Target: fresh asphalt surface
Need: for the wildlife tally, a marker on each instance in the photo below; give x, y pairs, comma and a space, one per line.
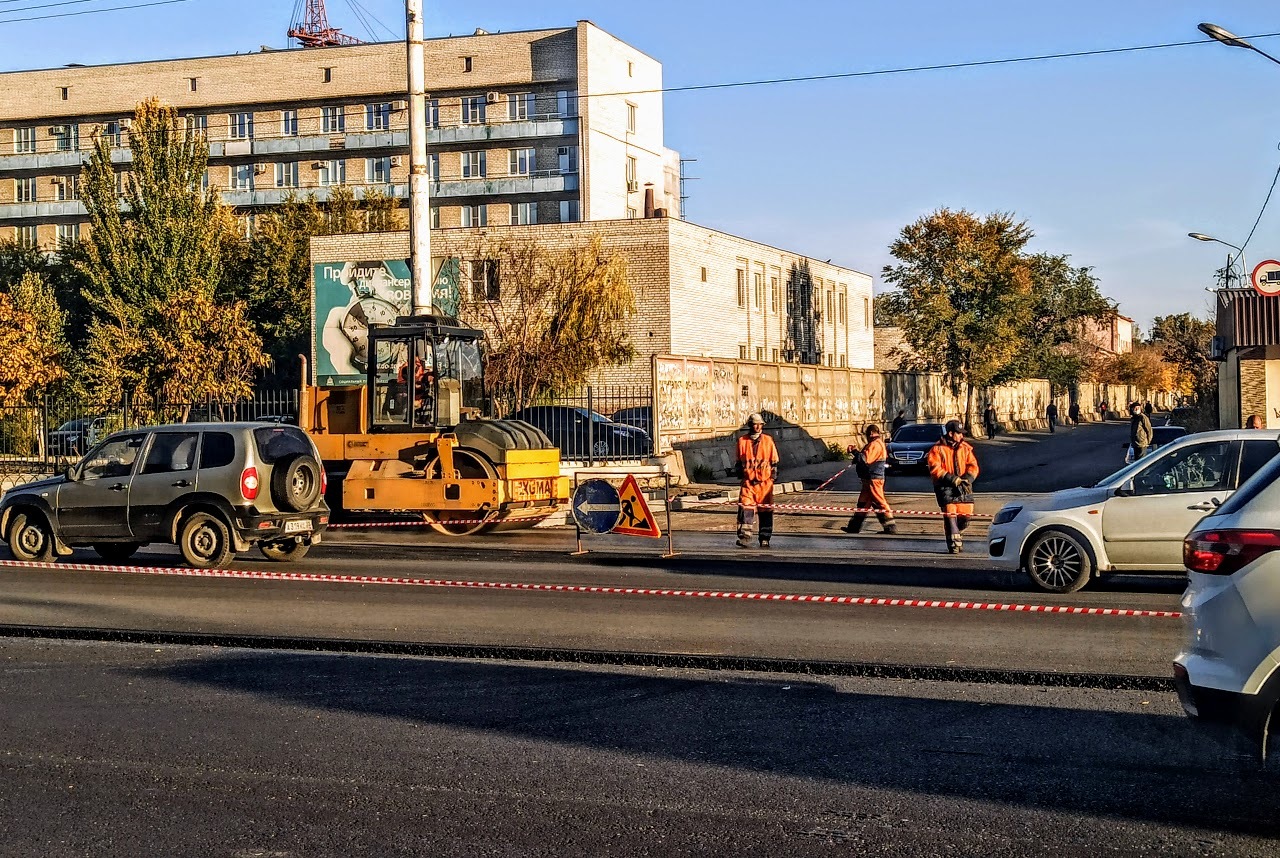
163, 749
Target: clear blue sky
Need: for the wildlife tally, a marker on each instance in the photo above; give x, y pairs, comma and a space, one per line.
1111, 159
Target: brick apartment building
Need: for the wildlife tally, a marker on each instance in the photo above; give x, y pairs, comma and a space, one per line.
699, 292
545, 126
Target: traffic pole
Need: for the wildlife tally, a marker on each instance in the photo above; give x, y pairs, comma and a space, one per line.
419, 189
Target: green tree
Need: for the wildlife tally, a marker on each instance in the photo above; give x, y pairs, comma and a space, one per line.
1185, 341
552, 316
963, 292
154, 259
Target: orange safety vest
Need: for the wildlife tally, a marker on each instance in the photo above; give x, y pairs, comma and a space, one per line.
959, 460
757, 458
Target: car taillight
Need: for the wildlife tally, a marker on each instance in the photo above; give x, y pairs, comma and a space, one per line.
1224, 552
324, 482
249, 483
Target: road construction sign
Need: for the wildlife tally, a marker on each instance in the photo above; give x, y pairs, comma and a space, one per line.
636, 519
596, 507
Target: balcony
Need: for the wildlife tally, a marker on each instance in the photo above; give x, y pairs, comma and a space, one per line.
541, 126
276, 196
59, 161
309, 144
543, 182
43, 210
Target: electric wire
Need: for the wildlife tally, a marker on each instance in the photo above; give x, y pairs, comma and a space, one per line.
86, 11
1261, 211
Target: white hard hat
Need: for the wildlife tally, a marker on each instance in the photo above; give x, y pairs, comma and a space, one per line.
756, 418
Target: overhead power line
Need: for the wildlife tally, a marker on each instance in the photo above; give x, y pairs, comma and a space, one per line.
82, 11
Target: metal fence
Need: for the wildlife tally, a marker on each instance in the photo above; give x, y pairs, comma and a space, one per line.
597, 424
38, 436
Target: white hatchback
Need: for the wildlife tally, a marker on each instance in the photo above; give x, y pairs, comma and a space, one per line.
1135, 519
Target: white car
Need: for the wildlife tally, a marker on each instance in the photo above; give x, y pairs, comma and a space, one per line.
1229, 668
1135, 519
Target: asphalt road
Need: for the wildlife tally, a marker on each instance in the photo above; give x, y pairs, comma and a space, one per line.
192, 751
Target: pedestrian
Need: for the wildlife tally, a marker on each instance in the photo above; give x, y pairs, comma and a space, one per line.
990, 421
1148, 409
899, 421
1051, 415
1254, 422
870, 463
953, 468
757, 468
1073, 412
1102, 411
1139, 431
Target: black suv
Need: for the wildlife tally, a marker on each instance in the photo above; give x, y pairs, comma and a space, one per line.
212, 489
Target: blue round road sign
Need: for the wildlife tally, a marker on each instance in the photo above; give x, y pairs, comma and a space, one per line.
596, 506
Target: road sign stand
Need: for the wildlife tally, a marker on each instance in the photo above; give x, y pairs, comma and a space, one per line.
620, 475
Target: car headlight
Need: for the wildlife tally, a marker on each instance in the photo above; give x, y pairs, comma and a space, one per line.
1006, 515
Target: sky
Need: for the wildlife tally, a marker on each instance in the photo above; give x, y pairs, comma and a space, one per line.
1111, 159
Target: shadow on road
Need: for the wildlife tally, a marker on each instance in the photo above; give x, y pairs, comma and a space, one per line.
1154, 768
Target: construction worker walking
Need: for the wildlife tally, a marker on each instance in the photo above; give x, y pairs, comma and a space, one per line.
870, 463
757, 468
953, 468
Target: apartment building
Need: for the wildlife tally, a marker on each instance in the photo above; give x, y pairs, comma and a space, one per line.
545, 126
699, 293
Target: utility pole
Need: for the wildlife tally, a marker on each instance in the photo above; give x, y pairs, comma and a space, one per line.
419, 189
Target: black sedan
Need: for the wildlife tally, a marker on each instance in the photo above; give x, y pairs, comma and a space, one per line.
581, 434
911, 444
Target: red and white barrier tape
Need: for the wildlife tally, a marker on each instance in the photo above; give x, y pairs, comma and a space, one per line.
801, 598
451, 521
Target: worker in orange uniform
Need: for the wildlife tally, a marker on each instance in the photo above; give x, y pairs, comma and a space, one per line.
954, 468
757, 468
870, 463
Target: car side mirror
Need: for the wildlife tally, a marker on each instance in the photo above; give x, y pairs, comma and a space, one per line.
1126, 489
72, 472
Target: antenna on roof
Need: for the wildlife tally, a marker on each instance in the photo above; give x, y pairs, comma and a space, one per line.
313, 31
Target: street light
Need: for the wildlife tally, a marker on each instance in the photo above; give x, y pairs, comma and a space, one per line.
1213, 31
1200, 236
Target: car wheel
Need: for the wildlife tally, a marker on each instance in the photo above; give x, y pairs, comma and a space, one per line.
30, 539
295, 482
284, 550
1058, 561
117, 552
205, 541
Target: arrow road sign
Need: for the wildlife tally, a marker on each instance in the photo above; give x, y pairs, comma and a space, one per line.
596, 506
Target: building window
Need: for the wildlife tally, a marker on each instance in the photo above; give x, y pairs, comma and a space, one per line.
523, 214
475, 215
474, 165
632, 213
773, 294
332, 173
843, 309
24, 139
68, 233
485, 285
333, 120
67, 138
866, 313
758, 298
242, 177
742, 288
568, 159
521, 162
435, 217
775, 355
466, 64
327, 75
473, 110
204, 181
197, 124
24, 190
704, 274
113, 132
377, 116
433, 167
66, 93
67, 187
377, 171
759, 353
27, 236
567, 103
632, 184
631, 69
287, 175
240, 126
631, 117
844, 361
519, 106
569, 211
289, 123
742, 352
831, 305
191, 83
432, 106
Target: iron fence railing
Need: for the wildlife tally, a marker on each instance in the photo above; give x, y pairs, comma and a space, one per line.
597, 424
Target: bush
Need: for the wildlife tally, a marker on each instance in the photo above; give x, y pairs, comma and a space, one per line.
701, 474
835, 453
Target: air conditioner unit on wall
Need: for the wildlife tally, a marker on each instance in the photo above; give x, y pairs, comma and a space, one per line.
395, 160
125, 124
493, 97
259, 169
317, 165
58, 130
563, 150
399, 105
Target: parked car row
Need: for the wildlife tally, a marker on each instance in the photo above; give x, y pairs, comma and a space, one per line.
581, 434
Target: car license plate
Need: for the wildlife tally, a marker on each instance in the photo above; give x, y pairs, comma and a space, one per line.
298, 526
531, 489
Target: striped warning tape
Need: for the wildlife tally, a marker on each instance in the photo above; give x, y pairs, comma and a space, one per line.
370, 524
799, 598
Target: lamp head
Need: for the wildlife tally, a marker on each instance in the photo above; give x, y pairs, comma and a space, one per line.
1217, 33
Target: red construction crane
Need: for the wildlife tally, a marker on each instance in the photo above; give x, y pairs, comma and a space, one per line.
313, 31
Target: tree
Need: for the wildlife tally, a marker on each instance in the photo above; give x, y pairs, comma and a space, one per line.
31, 339
1185, 341
154, 260
1063, 299
1144, 367
552, 316
963, 290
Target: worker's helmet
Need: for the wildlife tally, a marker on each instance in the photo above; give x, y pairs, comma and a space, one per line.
872, 429
755, 418
954, 426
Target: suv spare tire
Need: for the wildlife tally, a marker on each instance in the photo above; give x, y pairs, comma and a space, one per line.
295, 482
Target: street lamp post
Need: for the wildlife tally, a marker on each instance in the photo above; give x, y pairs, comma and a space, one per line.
1244, 266
1230, 39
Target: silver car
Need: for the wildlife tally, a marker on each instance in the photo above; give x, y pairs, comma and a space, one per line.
1135, 519
1229, 667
